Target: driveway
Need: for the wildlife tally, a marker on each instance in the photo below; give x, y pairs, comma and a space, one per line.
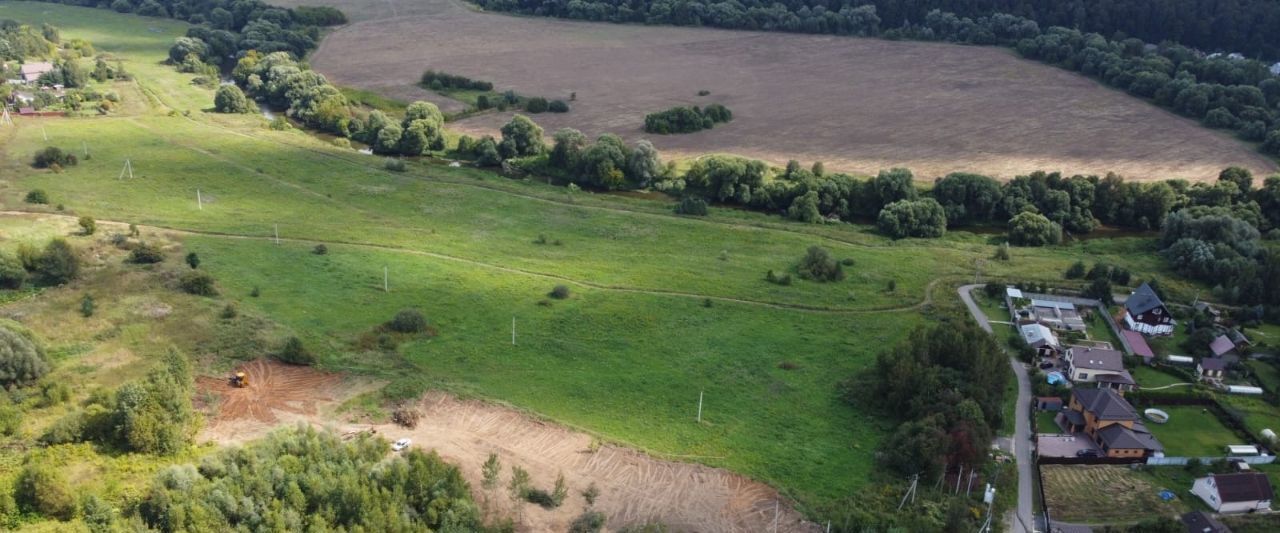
1022, 426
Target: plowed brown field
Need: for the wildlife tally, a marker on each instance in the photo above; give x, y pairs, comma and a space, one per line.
860, 105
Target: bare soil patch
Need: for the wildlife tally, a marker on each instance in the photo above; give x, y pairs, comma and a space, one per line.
860, 105
277, 393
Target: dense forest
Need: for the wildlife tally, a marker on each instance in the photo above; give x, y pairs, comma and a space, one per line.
1244, 26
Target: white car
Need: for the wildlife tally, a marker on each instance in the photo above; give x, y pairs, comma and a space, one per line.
400, 445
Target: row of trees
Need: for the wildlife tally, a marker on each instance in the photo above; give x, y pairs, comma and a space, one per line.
686, 119
437, 81
1223, 91
1244, 26
945, 384
305, 479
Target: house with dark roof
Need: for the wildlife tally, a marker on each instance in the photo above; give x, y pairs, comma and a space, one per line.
1139, 345
1240, 492
1211, 311
1098, 365
1111, 423
1211, 368
1146, 314
1221, 346
1202, 522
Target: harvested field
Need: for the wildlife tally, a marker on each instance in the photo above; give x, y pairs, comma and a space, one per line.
860, 105
277, 393
1102, 494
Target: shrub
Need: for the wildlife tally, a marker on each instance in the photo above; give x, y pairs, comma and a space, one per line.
536, 105
22, 359
1002, 252
197, 283
692, 205
591, 493
87, 306
587, 522
12, 273
559, 292
540, 497
88, 225
408, 321
558, 106
294, 353
58, 263
771, 277
65, 430
43, 489
1075, 271
394, 165
193, 260
703, 92
228, 312
36, 196
1033, 229
913, 218
320, 249
146, 254
52, 155
818, 265
255, 292
230, 99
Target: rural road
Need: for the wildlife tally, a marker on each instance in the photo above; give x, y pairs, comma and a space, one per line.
1022, 427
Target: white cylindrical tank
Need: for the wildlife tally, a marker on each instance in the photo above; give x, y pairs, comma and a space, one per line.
1242, 389
1268, 434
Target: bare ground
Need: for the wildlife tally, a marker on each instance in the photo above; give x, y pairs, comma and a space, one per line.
860, 105
634, 487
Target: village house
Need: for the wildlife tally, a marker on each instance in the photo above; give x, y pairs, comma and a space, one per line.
1146, 314
1098, 365
30, 72
1211, 368
1139, 345
1111, 423
1040, 338
1239, 492
1211, 311
1221, 346
1056, 314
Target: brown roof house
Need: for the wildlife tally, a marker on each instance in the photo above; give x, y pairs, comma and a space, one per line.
1146, 314
1098, 365
1241, 492
1111, 423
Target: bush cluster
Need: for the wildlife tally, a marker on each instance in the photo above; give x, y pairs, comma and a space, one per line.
686, 119
53, 157
437, 81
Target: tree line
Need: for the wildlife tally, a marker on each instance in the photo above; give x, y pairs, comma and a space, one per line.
1222, 91
1245, 26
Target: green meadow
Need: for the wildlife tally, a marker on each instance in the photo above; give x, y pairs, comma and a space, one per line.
662, 307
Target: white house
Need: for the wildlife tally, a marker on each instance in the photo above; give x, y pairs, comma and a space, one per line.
1240, 492
1098, 365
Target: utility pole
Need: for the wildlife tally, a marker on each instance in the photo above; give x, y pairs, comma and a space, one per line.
513, 331
775, 516
128, 169
699, 407
199, 200
386, 274
277, 231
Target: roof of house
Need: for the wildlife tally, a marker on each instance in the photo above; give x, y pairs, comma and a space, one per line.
1221, 345
1097, 358
1118, 436
1142, 300
1137, 343
1213, 363
1053, 304
1243, 487
1074, 417
1123, 378
1237, 337
1038, 335
1048, 400
1202, 522
1204, 306
1013, 292
1105, 404
35, 69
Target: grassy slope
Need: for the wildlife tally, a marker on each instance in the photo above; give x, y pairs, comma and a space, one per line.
624, 364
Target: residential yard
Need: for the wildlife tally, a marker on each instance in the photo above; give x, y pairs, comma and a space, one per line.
1169, 344
992, 307
1104, 494
1100, 331
1045, 423
1192, 431
1258, 414
1148, 377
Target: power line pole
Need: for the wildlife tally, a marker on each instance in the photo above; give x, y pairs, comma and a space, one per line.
128, 169
386, 275
699, 407
199, 200
277, 232
513, 331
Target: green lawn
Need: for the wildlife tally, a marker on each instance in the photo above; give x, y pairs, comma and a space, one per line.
1267, 373
1192, 431
1045, 422
1100, 331
1148, 377
625, 357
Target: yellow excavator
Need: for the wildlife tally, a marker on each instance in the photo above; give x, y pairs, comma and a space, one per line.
239, 380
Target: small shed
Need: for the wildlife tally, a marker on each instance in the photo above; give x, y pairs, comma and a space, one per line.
1048, 403
1139, 345
1181, 359
1013, 292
